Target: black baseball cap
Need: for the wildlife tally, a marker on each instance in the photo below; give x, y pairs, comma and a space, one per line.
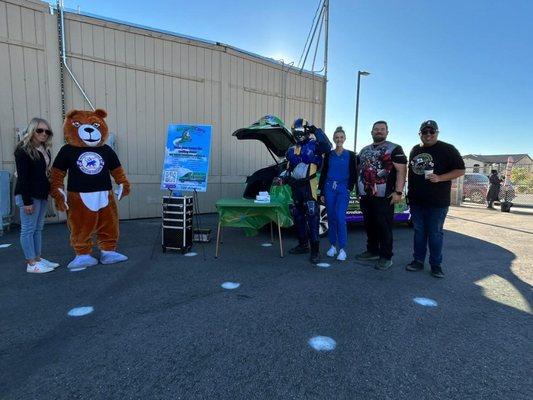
429, 124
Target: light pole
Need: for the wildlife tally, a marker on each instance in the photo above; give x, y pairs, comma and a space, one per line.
359, 73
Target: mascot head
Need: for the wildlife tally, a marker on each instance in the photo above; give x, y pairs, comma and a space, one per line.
85, 128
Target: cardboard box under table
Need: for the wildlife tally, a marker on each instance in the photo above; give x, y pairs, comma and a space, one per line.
245, 213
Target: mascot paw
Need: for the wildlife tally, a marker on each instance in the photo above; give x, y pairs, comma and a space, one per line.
112, 257
81, 262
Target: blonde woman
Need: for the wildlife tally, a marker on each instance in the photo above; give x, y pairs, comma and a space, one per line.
337, 180
33, 159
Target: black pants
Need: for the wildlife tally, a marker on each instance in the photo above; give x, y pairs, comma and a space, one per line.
379, 215
306, 213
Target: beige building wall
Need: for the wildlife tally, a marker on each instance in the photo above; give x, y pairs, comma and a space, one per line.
485, 168
29, 72
146, 80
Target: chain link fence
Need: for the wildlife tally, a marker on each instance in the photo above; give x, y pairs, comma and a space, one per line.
475, 184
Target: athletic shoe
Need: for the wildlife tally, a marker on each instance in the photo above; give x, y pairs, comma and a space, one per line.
415, 265
38, 268
342, 255
436, 271
49, 264
367, 256
299, 249
383, 264
332, 252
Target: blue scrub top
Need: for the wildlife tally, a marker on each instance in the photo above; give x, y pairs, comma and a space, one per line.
339, 166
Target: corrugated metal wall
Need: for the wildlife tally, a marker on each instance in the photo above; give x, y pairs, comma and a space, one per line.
146, 79
29, 72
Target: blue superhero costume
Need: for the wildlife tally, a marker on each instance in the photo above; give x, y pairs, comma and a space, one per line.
304, 160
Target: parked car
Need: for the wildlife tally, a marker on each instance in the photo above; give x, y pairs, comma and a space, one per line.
278, 138
475, 187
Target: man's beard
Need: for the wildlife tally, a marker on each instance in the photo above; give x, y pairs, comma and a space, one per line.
379, 139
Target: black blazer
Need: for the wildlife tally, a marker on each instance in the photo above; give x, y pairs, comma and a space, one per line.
325, 168
31, 177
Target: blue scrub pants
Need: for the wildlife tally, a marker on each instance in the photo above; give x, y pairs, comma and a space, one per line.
337, 198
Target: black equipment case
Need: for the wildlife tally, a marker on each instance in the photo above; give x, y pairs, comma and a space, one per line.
177, 233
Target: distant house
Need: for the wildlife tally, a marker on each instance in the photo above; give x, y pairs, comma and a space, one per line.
484, 163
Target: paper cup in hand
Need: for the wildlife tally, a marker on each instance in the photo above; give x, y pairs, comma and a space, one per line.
427, 172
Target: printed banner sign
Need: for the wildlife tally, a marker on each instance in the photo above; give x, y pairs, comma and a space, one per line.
186, 164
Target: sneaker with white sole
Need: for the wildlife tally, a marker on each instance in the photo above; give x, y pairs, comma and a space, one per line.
332, 252
342, 255
38, 268
49, 264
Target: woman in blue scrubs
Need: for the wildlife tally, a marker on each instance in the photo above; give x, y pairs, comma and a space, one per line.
337, 180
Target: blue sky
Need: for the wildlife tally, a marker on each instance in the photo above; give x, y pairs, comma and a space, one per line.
466, 64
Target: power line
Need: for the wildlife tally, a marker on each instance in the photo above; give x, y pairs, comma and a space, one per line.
313, 23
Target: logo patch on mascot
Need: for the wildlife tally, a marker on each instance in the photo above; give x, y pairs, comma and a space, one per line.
90, 163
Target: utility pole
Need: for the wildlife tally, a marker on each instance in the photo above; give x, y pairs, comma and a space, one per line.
326, 32
359, 73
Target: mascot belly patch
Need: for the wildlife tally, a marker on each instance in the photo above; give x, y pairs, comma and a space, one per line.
95, 201
89, 202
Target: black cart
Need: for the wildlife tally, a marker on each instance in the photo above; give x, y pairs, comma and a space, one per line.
177, 232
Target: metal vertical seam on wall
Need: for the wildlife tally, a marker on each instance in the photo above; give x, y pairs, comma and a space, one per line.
62, 49
61, 72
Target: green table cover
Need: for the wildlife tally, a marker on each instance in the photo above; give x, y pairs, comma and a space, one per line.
244, 213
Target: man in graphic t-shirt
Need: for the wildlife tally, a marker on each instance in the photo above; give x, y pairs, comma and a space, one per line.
432, 166
381, 171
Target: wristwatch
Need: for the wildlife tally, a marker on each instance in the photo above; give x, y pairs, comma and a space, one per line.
399, 193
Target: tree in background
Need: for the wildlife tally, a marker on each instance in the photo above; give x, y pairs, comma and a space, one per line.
522, 180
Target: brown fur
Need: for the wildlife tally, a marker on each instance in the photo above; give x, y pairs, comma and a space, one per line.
84, 117
84, 223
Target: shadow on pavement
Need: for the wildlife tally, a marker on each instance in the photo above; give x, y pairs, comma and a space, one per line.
162, 326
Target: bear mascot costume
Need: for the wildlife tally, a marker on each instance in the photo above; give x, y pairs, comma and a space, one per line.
89, 200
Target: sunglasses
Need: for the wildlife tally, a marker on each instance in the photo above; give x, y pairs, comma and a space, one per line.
428, 132
47, 131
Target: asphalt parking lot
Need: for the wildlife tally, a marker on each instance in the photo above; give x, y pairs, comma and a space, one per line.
162, 327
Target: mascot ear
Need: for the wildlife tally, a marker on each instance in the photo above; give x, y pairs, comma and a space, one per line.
71, 113
101, 113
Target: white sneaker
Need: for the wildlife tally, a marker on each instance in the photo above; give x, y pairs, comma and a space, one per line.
38, 268
331, 252
49, 264
342, 255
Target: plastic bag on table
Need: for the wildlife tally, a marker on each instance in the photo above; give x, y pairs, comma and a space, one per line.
281, 194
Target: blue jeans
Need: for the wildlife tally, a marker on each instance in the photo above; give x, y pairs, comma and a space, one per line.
428, 223
336, 205
31, 227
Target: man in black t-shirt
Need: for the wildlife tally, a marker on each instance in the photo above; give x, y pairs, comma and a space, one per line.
381, 178
432, 166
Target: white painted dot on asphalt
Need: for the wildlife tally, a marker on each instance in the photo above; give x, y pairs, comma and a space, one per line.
266, 244
322, 343
323, 265
80, 311
190, 254
230, 285
4, 245
424, 301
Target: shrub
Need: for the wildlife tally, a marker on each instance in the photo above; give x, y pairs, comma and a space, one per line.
522, 180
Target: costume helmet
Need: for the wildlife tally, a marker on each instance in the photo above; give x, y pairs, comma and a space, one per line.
300, 129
